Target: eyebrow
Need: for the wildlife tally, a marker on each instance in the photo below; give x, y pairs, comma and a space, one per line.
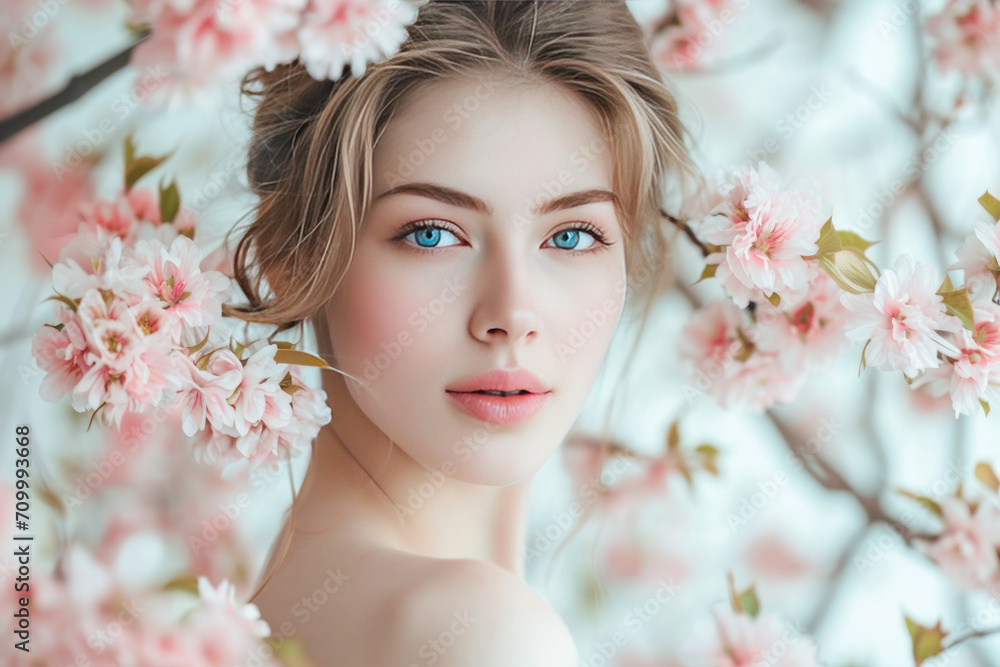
463, 200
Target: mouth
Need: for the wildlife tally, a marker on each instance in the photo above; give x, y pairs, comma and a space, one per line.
498, 407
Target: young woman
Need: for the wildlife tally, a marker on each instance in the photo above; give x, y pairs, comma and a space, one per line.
465, 225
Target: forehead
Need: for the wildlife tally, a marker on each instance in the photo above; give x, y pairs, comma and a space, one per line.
493, 136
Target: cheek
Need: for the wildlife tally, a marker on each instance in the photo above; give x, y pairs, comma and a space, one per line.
589, 317
379, 323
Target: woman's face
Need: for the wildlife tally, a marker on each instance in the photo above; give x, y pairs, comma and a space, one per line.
502, 178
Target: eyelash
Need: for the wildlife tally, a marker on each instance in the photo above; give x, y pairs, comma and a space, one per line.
601, 242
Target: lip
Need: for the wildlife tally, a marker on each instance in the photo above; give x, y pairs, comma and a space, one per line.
501, 380
500, 409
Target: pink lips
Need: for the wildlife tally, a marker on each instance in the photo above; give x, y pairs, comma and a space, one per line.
500, 409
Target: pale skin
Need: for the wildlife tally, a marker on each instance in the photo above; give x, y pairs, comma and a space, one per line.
410, 533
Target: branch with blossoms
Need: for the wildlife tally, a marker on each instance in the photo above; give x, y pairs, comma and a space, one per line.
140, 327
968, 552
800, 288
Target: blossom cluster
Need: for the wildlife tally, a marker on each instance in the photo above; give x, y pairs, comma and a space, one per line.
968, 547
140, 326
799, 289
966, 37
688, 29
199, 42
87, 613
784, 318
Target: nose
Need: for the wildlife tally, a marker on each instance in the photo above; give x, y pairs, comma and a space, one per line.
507, 307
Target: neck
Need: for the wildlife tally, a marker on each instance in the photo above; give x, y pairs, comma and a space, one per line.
362, 484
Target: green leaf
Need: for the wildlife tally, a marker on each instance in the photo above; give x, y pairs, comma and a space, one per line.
829, 240
929, 503
986, 407
957, 303
986, 475
182, 583
991, 204
749, 602
852, 240
299, 358
129, 151
140, 167
775, 299
170, 202
709, 454
926, 641
707, 272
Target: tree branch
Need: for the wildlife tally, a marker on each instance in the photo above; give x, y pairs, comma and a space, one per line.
77, 87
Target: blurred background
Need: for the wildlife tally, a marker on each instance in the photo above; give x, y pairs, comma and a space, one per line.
844, 96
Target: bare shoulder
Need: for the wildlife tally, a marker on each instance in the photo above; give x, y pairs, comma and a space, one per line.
361, 605
462, 612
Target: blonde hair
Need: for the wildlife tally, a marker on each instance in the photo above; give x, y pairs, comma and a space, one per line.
310, 154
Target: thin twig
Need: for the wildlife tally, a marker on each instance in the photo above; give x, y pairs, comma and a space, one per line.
686, 228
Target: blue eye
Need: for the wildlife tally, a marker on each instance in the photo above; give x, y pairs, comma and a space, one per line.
571, 237
428, 236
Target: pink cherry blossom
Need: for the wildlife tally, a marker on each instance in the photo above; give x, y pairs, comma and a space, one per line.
129, 369
749, 641
333, 34
807, 333
258, 397
967, 549
766, 232
729, 366
191, 297
198, 42
967, 37
207, 398
61, 354
677, 46
48, 212
224, 631
902, 318
974, 259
